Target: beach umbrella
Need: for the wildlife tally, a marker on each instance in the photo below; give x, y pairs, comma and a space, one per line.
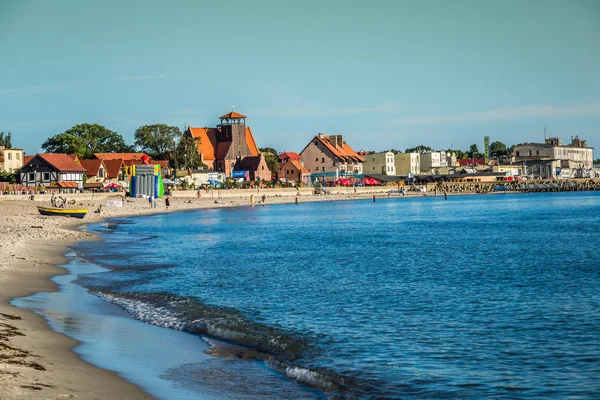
112, 185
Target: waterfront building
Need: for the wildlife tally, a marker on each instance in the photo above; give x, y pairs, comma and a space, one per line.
432, 160
407, 163
283, 157
95, 173
54, 171
379, 163
255, 166
222, 147
293, 171
11, 160
552, 158
331, 154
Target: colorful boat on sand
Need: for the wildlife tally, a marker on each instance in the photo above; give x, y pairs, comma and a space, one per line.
65, 212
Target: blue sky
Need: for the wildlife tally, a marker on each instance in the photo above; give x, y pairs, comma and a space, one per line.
385, 74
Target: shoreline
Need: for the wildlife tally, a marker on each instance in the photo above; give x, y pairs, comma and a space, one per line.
33, 248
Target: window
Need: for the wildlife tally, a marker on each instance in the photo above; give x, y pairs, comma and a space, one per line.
31, 176
529, 152
537, 152
323, 168
317, 159
10, 156
18, 156
46, 176
262, 167
317, 169
517, 154
323, 160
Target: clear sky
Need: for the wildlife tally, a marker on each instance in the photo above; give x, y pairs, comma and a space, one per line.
385, 74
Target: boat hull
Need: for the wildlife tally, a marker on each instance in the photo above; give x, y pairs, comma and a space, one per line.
63, 212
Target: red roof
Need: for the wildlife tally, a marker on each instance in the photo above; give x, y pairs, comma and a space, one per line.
469, 162
92, 166
208, 141
26, 159
113, 168
289, 154
162, 163
251, 142
62, 162
343, 151
299, 166
117, 156
67, 184
231, 115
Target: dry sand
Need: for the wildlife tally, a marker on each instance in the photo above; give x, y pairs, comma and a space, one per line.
36, 362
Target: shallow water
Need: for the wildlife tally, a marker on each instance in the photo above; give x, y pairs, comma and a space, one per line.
476, 296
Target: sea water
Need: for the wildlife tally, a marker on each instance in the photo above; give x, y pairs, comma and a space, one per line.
474, 296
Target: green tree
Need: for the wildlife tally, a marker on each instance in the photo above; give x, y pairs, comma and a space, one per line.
270, 158
186, 154
5, 140
10, 177
473, 151
498, 149
157, 140
85, 140
419, 149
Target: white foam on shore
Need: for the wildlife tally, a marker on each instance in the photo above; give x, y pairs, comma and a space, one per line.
159, 316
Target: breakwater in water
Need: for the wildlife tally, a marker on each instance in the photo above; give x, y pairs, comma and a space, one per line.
547, 185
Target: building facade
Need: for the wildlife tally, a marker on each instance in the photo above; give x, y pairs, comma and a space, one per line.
379, 163
11, 160
293, 171
256, 166
53, 170
552, 158
222, 147
407, 163
331, 154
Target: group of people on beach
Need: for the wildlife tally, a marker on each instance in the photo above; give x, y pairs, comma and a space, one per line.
58, 201
154, 204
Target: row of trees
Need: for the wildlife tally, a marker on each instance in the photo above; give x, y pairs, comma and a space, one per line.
497, 149
159, 141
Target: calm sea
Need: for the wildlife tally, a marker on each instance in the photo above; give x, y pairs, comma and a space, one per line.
476, 296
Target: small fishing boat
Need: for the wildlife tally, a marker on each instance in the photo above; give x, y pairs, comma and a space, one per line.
65, 212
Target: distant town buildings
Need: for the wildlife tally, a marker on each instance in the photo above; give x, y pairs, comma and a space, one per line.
408, 163
221, 148
379, 163
331, 154
552, 158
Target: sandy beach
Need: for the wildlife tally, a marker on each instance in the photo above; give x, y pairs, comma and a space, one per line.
36, 362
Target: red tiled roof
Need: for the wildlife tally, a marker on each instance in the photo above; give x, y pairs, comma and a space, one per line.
73, 157
251, 142
289, 154
63, 184
232, 114
113, 168
343, 152
208, 141
26, 159
122, 156
62, 162
162, 163
92, 166
298, 166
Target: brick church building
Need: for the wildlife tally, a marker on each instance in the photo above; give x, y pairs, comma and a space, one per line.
227, 144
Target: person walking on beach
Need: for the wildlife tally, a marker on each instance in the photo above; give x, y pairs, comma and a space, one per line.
264, 197
167, 202
150, 201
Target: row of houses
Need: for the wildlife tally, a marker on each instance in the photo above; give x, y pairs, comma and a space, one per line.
230, 150
68, 172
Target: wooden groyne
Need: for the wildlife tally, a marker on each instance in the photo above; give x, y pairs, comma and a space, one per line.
544, 185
